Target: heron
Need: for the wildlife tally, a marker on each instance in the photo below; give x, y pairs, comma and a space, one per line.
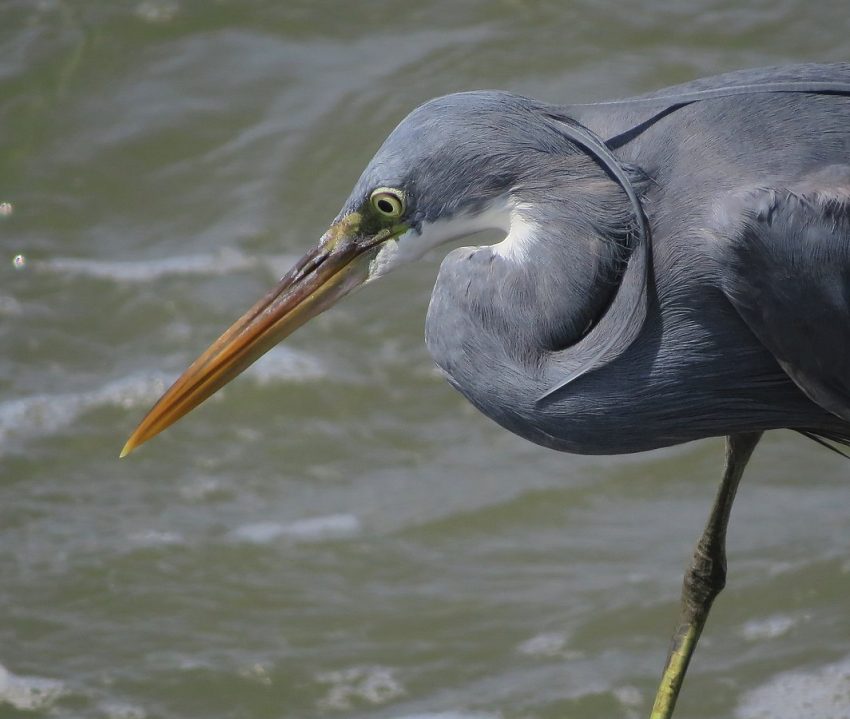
672, 266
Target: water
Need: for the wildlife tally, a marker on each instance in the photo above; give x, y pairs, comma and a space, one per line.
339, 534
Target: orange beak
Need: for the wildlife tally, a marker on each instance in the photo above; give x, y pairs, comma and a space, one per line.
339, 264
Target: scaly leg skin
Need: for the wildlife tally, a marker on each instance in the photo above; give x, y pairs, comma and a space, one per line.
706, 576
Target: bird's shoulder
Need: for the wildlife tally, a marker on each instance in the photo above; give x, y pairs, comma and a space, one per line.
785, 266
789, 73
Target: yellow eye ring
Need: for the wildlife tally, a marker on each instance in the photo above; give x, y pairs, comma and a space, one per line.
388, 202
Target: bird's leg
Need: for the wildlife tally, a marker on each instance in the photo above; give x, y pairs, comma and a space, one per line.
706, 576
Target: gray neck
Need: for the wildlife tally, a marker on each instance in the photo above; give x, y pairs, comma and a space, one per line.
504, 308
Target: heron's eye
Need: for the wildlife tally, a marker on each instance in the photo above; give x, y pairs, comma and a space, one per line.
388, 202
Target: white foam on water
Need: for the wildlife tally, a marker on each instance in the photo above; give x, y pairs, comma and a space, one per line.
204, 489
155, 538
28, 693
549, 644
452, 715
43, 414
257, 533
156, 11
770, 628
348, 687
257, 672
628, 696
120, 710
331, 526
777, 569
219, 263
286, 364
9, 306
819, 694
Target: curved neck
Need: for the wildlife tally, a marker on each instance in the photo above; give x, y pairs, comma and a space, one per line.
556, 272
555, 298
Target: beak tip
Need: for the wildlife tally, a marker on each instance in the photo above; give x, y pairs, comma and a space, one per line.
129, 446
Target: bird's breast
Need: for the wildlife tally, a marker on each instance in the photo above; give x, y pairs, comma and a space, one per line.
694, 370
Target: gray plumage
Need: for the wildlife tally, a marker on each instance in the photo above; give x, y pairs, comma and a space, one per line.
747, 324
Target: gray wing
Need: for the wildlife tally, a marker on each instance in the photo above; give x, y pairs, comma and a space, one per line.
786, 269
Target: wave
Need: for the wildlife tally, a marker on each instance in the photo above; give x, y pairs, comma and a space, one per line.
28, 693
331, 526
214, 264
43, 414
822, 693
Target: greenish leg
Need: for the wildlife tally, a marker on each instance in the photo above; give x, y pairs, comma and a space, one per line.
706, 576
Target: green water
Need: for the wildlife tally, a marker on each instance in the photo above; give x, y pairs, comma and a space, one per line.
340, 534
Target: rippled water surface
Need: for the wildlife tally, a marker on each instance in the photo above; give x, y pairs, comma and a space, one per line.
340, 534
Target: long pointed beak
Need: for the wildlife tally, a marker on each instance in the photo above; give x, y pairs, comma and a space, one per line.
339, 264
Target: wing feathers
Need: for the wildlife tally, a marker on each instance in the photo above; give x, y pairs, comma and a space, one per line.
787, 272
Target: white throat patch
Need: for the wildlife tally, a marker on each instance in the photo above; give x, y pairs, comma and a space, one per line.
520, 231
501, 215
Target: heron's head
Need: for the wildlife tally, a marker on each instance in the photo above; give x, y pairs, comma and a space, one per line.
446, 171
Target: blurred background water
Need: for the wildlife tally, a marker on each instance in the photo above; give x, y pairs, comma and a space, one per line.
339, 534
